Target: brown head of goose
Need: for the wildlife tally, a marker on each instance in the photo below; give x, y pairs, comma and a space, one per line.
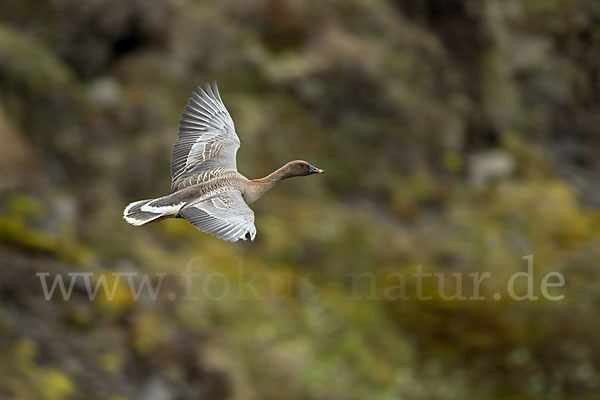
207, 190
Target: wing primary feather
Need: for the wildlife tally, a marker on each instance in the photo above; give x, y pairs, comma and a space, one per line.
216, 89
206, 98
196, 99
205, 124
213, 98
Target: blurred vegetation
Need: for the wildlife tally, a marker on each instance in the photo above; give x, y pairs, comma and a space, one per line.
460, 135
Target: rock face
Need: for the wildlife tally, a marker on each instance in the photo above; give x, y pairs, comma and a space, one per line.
19, 167
486, 167
91, 36
458, 135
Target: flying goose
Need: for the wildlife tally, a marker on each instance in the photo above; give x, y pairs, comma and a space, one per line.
206, 187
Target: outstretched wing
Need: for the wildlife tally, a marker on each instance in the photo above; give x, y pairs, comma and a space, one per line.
206, 141
225, 215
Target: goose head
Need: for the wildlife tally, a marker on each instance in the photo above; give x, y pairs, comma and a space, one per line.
300, 168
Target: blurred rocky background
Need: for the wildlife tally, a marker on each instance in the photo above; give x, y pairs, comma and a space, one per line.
460, 135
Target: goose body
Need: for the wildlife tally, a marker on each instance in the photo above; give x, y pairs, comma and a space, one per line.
206, 188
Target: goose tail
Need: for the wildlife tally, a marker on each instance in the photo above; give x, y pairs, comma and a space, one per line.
144, 211
134, 214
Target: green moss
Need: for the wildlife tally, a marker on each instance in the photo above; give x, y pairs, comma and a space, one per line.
148, 334
27, 380
112, 363
17, 231
57, 385
26, 64
25, 205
